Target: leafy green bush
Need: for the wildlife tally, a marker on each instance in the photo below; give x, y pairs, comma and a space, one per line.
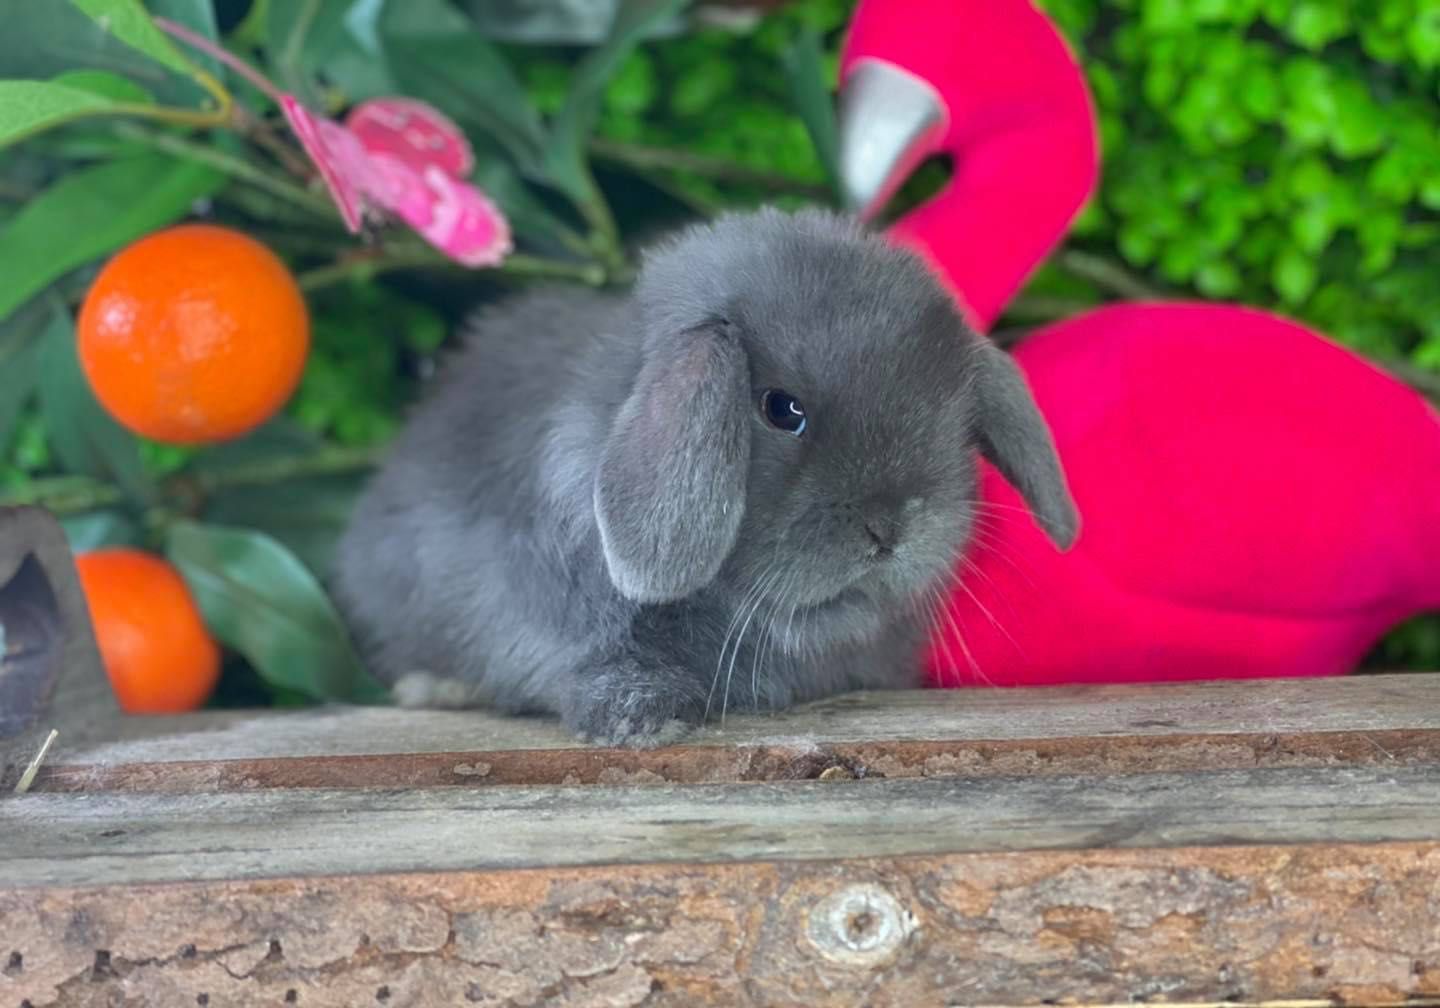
1281, 154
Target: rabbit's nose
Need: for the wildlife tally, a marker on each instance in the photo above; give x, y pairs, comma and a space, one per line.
884, 533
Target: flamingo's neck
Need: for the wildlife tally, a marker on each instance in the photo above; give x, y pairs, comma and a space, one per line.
1020, 130
1012, 199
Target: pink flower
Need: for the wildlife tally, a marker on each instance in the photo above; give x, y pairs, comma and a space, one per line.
412, 131
400, 157
393, 157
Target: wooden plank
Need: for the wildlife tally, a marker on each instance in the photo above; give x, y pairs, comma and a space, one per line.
1349, 923
1028, 851
94, 839
1378, 720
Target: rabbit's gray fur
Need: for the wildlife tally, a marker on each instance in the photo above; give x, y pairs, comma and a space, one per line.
587, 514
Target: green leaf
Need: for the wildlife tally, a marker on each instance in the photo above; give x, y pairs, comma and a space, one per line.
1218, 279
810, 94
633, 87
92, 212
1165, 15
83, 435
435, 54
128, 21
279, 438
259, 599
27, 107
43, 38
341, 44
1315, 25
1137, 244
702, 87
1359, 126
1294, 276
94, 530
1260, 91
1423, 37
19, 340
105, 85
1312, 229
303, 35
634, 20
1379, 232
306, 515
533, 222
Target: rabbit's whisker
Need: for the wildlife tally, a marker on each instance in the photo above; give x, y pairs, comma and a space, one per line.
725, 642
933, 602
992, 546
964, 646
765, 584
767, 628
985, 609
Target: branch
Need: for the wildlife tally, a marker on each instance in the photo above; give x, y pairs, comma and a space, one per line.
366, 265
1424, 381
232, 166
1107, 274
75, 494
650, 159
1038, 309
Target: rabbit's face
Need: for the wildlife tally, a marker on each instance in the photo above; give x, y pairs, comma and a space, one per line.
862, 477
801, 443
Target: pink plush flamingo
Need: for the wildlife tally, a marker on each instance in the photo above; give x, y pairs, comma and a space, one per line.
1255, 500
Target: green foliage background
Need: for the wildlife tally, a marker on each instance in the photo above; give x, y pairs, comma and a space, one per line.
1283, 154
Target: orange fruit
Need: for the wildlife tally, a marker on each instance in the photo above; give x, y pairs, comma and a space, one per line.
193, 334
158, 655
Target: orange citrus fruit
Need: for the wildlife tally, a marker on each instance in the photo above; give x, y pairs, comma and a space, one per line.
193, 334
158, 655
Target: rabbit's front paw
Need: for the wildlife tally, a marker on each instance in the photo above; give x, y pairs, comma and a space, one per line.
632, 705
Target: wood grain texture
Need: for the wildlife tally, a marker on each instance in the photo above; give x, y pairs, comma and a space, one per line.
101, 838
1380, 720
1343, 922
1242, 842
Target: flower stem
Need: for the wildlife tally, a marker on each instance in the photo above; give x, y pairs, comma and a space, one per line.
222, 54
229, 164
256, 129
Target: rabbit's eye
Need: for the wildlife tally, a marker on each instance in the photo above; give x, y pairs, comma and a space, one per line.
783, 411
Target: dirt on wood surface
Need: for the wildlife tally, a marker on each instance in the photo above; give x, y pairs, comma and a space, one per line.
797, 759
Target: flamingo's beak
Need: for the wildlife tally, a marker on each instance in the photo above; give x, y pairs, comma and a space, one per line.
889, 121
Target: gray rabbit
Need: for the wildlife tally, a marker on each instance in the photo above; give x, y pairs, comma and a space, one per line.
743, 486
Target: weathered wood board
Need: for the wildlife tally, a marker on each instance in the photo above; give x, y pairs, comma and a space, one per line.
1248, 842
1110, 729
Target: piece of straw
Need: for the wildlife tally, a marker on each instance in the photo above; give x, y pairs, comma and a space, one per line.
28, 777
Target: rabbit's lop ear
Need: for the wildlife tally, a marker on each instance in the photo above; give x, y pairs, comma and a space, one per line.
1018, 442
670, 489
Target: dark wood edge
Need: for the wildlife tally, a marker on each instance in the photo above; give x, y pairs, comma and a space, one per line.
1355, 924
755, 763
